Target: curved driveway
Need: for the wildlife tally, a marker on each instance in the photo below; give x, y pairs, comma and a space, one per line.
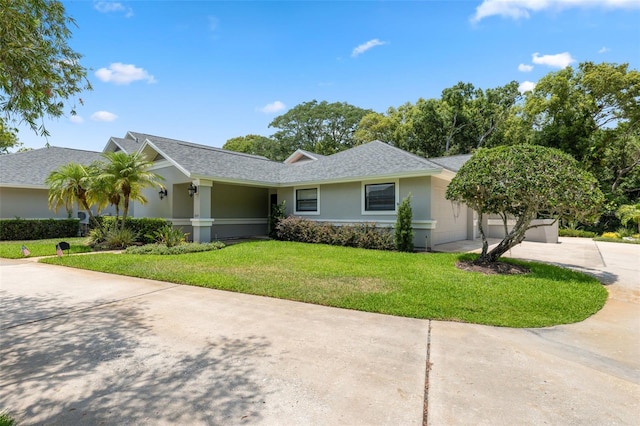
81, 347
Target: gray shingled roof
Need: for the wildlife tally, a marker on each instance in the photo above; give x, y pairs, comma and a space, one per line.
127, 145
31, 168
453, 162
368, 160
364, 161
206, 161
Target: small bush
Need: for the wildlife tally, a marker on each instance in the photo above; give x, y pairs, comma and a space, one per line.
576, 233
307, 231
119, 238
38, 229
170, 236
179, 249
611, 235
624, 232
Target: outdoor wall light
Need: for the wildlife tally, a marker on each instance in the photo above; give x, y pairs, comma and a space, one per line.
192, 189
163, 193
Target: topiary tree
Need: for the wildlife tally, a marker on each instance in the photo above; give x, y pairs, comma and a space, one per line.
524, 182
403, 230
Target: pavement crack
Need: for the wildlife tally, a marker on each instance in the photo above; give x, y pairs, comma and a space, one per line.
425, 407
88, 308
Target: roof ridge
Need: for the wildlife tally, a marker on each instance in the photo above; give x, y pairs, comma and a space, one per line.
52, 146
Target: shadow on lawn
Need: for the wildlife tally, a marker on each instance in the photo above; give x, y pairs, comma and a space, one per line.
105, 365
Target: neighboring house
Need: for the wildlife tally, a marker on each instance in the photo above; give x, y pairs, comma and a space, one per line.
23, 191
215, 194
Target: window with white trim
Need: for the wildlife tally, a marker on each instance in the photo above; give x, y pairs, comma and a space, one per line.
306, 201
380, 197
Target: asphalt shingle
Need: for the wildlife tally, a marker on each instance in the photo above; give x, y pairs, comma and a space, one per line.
31, 168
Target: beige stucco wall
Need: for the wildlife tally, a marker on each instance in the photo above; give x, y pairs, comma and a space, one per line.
451, 217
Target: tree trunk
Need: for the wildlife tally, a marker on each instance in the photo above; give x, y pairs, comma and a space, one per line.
513, 238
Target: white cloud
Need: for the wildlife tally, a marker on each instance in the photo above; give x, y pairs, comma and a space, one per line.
273, 107
522, 9
103, 116
366, 46
604, 49
76, 119
525, 68
119, 73
559, 60
112, 6
526, 86
213, 23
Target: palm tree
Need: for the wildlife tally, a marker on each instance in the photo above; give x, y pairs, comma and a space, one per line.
104, 192
71, 184
128, 174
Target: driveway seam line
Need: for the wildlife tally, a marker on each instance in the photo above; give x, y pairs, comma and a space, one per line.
600, 254
425, 406
88, 308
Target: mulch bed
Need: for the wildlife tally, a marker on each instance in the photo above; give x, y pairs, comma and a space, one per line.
492, 268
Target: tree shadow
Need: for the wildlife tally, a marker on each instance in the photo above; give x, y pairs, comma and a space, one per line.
106, 365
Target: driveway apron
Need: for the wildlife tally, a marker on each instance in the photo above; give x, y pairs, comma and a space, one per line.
81, 347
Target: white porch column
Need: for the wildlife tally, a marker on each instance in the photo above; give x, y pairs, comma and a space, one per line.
202, 219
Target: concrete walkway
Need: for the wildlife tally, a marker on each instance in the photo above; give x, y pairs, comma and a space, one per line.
80, 347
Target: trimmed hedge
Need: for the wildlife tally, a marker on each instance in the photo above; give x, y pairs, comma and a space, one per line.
362, 236
37, 229
144, 228
576, 233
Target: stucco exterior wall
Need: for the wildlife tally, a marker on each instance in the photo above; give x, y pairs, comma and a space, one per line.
342, 203
451, 217
29, 203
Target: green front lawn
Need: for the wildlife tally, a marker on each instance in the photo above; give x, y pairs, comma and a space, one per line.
404, 284
13, 249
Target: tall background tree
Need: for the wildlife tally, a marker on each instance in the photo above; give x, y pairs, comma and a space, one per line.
39, 72
321, 127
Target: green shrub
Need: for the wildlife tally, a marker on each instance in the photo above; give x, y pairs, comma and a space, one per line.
624, 232
179, 249
143, 227
576, 233
403, 229
170, 236
119, 238
38, 229
362, 235
277, 214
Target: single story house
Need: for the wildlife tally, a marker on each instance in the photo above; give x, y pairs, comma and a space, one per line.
214, 194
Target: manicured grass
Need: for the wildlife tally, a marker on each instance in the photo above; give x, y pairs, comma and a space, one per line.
12, 249
404, 284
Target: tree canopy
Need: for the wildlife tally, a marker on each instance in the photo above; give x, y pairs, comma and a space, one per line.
38, 69
321, 127
524, 182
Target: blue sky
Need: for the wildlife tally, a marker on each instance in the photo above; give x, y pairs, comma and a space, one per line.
207, 71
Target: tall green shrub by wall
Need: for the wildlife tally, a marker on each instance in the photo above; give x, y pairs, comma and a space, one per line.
403, 230
37, 229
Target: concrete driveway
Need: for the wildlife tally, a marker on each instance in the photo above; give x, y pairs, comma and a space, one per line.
81, 347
